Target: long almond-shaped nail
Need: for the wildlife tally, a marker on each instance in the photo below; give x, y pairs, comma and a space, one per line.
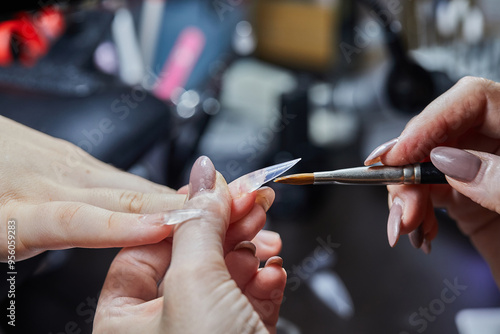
417, 237
458, 164
172, 217
202, 176
374, 157
248, 245
394, 221
274, 260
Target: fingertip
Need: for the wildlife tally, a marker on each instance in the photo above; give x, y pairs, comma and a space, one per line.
242, 205
265, 197
414, 200
242, 263
183, 190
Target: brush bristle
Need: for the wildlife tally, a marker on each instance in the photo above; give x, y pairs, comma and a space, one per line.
298, 179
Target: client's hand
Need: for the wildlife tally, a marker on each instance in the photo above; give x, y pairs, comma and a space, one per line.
205, 289
61, 197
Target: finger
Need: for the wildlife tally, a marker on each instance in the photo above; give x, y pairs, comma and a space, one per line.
477, 176
183, 190
243, 203
242, 263
135, 272
126, 200
408, 211
265, 290
268, 244
252, 222
118, 179
60, 225
473, 174
199, 241
246, 228
472, 102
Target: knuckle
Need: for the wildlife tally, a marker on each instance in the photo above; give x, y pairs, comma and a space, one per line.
9, 196
66, 215
112, 220
132, 201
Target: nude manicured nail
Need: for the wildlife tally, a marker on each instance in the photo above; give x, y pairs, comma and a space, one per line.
248, 245
394, 221
274, 260
458, 164
265, 198
202, 176
417, 237
426, 246
374, 157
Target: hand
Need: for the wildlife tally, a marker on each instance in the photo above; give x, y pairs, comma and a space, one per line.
61, 197
465, 120
205, 289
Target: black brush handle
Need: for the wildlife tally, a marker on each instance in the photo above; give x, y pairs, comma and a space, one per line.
431, 175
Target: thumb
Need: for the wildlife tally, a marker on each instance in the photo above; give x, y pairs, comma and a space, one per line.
199, 242
472, 173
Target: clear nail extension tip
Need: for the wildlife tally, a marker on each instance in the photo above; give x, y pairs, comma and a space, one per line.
174, 217
254, 180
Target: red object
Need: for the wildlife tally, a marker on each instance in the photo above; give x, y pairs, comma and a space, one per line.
29, 36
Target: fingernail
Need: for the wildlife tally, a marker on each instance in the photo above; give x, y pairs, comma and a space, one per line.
265, 198
172, 217
417, 237
269, 237
374, 157
246, 245
202, 176
274, 260
458, 164
426, 246
394, 221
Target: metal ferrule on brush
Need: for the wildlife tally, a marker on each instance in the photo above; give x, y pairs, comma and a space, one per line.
409, 174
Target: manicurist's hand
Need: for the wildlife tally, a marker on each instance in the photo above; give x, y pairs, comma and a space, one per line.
190, 283
57, 196
460, 133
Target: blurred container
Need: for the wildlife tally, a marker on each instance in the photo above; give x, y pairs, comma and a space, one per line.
297, 34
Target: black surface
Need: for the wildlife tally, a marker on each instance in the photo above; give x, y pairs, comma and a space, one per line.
431, 175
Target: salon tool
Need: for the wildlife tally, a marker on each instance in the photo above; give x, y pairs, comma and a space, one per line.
254, 180
424, 173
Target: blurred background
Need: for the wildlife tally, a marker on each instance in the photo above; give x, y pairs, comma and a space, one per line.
150, 85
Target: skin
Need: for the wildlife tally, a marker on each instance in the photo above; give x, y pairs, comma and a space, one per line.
61, 197
465, 117
204, 288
